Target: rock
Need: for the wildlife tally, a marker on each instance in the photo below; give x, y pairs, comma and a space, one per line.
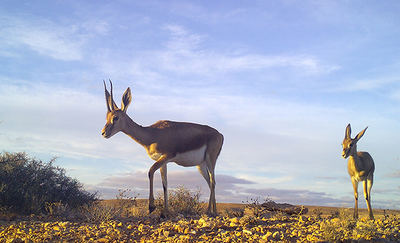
276, 235
284, 207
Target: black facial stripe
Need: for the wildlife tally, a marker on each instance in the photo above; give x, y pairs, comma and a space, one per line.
109, 127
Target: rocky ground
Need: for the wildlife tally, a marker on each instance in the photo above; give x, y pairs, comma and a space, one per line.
235, 224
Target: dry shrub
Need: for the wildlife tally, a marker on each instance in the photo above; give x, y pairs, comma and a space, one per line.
58, 209
139, 211
102, 211
126, 203
233, 212
98, 212
182, 201
254, 208
317, 212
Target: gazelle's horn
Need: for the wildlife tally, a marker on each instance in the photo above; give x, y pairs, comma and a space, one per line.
112, 103
107, 96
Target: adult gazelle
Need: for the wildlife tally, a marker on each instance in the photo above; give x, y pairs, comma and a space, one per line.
186, 144
360, 166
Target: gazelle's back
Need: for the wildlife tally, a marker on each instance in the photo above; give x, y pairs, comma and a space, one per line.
199, 135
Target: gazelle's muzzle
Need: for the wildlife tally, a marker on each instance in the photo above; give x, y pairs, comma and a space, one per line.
106, 131
345, 153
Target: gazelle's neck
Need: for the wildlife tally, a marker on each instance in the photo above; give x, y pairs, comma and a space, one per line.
137, 132
353, 152
355, 159
353, 156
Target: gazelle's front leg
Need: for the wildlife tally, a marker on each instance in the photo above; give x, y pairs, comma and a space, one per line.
355, 188
163, 171
157, 165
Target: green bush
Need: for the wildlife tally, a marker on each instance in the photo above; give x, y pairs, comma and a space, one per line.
28, 185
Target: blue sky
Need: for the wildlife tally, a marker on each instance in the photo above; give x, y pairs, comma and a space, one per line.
280, 79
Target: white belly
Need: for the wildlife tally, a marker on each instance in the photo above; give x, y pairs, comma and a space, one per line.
190, 158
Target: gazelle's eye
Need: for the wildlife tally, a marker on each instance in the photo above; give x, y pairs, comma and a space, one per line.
351, 145
115, 118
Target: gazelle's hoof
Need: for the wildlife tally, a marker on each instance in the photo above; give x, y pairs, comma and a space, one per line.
212, 215
151, 208
165, 214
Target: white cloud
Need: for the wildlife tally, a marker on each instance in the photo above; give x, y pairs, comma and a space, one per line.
395, 94
47, 42
202, 14
368, 84
95, 26
185, 55
61, 42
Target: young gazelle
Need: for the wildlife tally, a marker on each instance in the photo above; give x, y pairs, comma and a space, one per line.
360, 167
186, 144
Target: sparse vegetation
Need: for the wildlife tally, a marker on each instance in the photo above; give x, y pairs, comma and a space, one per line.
318, 213
125, 202
98, 212
102, 211
254, 208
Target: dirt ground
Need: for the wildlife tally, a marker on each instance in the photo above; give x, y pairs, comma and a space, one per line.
326, 224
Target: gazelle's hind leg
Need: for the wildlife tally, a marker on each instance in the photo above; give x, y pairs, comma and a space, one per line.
212, 203
367, 194
205, 173
214, 147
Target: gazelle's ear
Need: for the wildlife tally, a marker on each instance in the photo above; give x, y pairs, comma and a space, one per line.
360, 134
126, 99
347, 134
